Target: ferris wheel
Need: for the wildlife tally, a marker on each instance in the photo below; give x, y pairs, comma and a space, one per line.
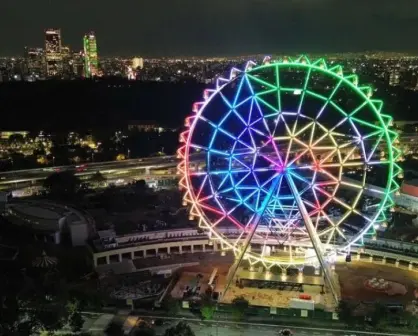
279, 162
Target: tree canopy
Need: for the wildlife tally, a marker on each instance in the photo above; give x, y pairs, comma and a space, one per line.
239, 307
98, 178
62, 184
207, 307
144, 330
181, 329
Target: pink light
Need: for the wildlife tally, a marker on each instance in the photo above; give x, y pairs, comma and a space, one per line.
197, 106
266, 60
249, 65
207, 94
234, 72
221, 82
280, 169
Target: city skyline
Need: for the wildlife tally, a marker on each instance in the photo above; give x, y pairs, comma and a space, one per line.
259, 26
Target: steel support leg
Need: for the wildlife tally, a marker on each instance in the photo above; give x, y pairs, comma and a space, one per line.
253, 227
316, 242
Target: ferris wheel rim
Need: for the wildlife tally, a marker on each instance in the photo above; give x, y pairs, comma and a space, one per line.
205, 223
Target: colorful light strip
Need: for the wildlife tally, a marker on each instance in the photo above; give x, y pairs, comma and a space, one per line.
259, 137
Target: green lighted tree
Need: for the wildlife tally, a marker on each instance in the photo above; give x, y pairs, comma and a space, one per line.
207, 308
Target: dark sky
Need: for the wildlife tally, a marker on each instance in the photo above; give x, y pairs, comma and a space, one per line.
213, 27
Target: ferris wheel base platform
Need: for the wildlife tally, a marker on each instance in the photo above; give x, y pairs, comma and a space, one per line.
246, 278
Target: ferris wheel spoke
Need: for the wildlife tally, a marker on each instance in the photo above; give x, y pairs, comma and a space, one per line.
335, 199
375, 147
283, 120
299, 177
305, 85
209, 151
329, 175
352, 184
286, 160
331, 227
359, 135
328, 99
276, 151
331, 236
263, 116
219, 128
202, 185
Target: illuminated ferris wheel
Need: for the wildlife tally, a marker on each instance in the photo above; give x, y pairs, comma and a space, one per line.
289, 151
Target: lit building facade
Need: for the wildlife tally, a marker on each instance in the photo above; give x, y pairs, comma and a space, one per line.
35, 62
77, 64
143, 126
91, 62
53, 54
66, 61
137, 62
394, 78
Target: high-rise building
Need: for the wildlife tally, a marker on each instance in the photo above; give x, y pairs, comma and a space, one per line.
53, 54
91, 62
66, 61
34, 62
394, 77
77, 64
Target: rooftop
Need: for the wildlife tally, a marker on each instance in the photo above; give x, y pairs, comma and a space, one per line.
42, 215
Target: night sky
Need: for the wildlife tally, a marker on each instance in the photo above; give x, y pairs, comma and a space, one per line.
215, 27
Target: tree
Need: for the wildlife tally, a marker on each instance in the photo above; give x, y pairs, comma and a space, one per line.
379, 314
141, 185
239, 307
207, 311
62, 184
76, 321
114, 329
207, 308
16, 139
18, 295
181, 329
144, 330
345, 311
48, 318
98, 179
35, 301
170, 305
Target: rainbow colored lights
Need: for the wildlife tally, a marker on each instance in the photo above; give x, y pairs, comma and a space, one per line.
288, 120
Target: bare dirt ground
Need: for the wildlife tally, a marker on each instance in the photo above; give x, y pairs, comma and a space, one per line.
353, 275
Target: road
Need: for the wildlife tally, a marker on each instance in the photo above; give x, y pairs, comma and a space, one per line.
226, 328
107, 168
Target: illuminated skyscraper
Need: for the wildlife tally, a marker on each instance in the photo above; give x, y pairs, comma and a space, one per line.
53, 54
91, 63
35, 62
394, 77
77, 60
